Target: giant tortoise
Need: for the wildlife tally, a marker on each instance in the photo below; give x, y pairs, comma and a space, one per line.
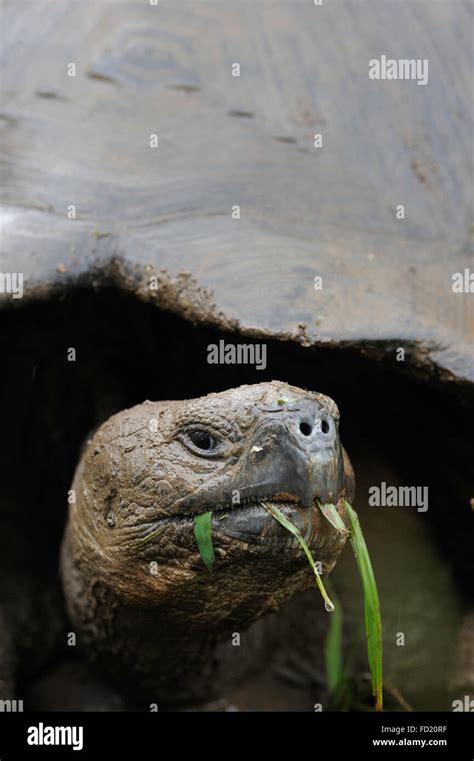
178, 179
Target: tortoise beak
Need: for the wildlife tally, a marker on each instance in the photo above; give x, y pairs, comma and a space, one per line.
298, 453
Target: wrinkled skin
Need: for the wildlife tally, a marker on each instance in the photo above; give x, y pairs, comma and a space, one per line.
143, 604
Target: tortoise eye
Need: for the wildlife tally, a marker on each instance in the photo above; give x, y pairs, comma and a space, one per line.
202, 440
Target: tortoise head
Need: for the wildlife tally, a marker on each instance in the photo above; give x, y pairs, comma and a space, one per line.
148, 471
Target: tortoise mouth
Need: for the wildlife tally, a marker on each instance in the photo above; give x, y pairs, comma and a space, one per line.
252, 523
249, 521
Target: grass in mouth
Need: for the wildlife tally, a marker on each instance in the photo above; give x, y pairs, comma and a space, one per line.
203, 536
373, 624
283, 520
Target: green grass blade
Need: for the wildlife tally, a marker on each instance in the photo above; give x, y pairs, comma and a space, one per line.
373, 624
203, 536
283, 520
333, 651
330, 513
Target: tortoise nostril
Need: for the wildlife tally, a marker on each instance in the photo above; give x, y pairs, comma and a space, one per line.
305, 429
325, 426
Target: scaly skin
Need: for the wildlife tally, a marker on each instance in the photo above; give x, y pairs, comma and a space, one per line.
144, 606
